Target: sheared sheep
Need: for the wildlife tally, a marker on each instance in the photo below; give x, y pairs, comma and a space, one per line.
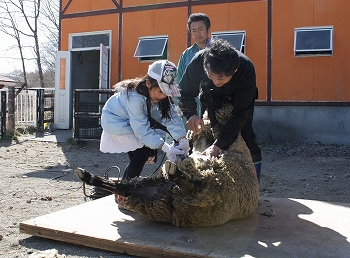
199, 192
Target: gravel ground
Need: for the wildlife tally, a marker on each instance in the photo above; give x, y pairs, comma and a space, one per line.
37, 178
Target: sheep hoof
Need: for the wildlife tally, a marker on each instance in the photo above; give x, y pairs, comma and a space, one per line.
169, 167
83, 175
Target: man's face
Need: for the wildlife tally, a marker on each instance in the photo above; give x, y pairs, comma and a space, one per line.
199, 32
218, 79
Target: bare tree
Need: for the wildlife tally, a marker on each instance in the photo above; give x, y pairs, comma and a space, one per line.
9, 26
50, 11
30, 11
20, 20
50, 21
27, 12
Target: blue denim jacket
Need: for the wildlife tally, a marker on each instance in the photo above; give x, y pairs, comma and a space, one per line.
124, 114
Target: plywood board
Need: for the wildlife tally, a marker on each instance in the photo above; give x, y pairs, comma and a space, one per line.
300, 228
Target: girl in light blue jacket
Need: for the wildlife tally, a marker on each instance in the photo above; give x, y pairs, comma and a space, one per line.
126, 123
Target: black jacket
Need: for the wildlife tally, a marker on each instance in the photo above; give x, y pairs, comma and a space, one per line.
241, 91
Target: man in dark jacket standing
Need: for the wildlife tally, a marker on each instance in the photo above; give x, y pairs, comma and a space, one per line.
225, 75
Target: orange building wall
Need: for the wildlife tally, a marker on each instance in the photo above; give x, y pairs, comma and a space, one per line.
87, 5
238, 16
151, 23
223, 17
127, 3
332, 76
321, 78
95, 23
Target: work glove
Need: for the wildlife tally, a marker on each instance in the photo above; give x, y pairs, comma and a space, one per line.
171, 152
184, 146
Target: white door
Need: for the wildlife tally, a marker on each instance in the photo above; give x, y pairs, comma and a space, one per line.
63, 103
103, 76
103, 67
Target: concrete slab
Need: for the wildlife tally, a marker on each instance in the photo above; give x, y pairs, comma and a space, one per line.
54, 136
300, 228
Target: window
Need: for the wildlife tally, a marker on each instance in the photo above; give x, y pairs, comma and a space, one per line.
90, 40
311, 41
152, 48
236, 38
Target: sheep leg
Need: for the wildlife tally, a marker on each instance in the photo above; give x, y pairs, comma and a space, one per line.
113, 187
103, 183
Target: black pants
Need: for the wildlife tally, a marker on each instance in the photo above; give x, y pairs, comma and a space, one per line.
249, 137
138, 160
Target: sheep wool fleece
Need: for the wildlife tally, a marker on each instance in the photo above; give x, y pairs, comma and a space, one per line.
208, 192
194, 192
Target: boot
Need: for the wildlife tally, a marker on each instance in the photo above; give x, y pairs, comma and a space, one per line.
257, 166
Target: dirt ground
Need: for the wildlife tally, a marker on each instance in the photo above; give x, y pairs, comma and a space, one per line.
38, 178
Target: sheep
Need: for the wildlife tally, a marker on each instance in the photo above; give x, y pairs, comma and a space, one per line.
194, 192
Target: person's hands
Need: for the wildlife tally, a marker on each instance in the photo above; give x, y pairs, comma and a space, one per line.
212, 151
195, 124
171, 152
184, 146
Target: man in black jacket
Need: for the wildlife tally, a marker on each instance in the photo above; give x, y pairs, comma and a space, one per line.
225, 75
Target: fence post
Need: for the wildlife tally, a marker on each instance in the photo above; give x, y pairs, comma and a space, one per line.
40, 106
3, 113
11, 111
76, 101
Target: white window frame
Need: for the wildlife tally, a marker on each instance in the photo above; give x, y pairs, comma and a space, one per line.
90, 33
222, 34
310, 51
151, 56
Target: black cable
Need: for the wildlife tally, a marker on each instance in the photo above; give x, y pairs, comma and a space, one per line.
158, 166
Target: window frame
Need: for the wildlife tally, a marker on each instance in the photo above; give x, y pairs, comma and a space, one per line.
152, 56
305, 52
232, 32
90, 33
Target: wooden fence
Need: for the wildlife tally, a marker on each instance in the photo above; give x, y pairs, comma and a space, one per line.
32, 107
26, 108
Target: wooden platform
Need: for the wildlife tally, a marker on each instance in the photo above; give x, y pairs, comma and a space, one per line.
301, 228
